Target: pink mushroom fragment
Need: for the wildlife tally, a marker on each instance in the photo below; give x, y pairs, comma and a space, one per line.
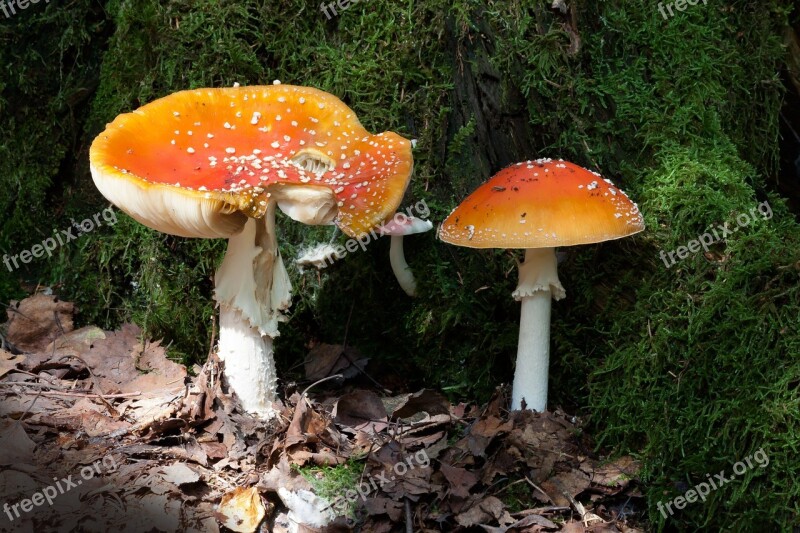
398, 227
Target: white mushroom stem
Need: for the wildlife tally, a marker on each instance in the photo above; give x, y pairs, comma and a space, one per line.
403, 273
249, 365
252, 288
398, 227
538, 283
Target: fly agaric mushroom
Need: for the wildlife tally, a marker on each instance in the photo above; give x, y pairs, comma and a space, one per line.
217, 162
398, 227
539, 205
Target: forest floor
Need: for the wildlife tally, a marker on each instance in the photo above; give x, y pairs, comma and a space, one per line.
101, 431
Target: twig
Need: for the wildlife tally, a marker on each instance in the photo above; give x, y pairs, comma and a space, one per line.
96, 383
335, 376
344, 353
37, 376
535, 486
60, 391
28, 410
409, 518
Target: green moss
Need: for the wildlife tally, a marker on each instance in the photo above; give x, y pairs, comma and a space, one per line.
332, 483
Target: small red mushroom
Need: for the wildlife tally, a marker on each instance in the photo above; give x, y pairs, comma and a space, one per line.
538, 205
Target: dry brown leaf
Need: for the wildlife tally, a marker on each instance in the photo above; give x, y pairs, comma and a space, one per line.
35, 322
9, 361
15, 445
570, 483
329, 359
387, 506
616, 474
487, 510
460, 480
483, 431
424, 401
241, 510
179, 474
361, 410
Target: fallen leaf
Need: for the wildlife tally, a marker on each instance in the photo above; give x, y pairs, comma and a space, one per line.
35, 322
616, 474
361, 410
460, 479
241, 510
9, 361
424, 401
15, 445
179, 474
487, 510
329, 359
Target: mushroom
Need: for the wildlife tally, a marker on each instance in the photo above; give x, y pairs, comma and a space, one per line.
216, 163
538, 205
398, 227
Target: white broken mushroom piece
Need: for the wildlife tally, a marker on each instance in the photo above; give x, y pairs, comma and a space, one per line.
318, 256
217, 163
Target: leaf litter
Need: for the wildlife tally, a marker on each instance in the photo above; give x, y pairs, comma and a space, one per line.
156, 449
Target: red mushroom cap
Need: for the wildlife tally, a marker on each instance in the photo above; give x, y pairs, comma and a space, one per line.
196, 163
542, 204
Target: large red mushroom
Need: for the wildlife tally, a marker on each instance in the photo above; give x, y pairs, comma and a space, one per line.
217, 163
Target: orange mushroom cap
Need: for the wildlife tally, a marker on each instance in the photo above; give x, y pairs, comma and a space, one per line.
542, 204
197, 163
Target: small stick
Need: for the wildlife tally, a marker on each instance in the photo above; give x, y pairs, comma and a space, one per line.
96, 383
535, 486
58, 392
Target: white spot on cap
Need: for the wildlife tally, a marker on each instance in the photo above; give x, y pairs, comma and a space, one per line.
256, 116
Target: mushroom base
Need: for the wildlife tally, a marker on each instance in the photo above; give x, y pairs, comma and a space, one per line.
538, 283
533, 353
249, 366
